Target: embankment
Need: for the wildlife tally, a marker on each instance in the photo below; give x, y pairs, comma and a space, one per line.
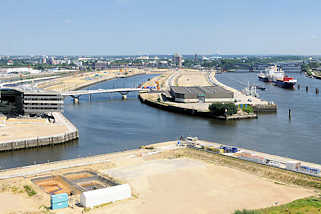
69, 133
189, 111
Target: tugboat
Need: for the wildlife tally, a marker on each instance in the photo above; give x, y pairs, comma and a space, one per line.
285, 82
263, 77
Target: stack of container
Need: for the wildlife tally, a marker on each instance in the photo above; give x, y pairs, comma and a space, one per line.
293, 165
309, 170
252, 157
59, 201
227, 149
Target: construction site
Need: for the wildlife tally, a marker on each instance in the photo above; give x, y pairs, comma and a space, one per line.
72, 183
178, 177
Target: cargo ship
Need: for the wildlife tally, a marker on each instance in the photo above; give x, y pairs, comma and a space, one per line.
271, 73
285, 82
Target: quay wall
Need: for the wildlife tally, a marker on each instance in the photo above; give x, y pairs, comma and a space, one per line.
69, 135
188, 111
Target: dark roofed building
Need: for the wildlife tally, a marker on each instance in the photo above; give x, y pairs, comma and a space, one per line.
201, 94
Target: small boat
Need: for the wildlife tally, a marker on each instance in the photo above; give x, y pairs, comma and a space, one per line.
260, 87
262, 77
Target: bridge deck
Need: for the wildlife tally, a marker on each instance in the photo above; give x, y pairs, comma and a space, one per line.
100, 91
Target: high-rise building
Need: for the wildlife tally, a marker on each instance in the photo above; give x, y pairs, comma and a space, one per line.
177, 60
52, 61
44, 60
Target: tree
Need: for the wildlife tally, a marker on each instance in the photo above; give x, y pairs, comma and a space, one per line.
220, 109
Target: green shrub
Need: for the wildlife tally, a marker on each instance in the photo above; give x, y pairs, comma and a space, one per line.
218, 109
248, 109
146, 147
246, 212
212, 149
29, 190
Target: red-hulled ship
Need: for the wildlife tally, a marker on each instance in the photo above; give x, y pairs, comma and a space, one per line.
285, 82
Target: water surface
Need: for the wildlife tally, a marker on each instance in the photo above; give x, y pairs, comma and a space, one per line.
109, 124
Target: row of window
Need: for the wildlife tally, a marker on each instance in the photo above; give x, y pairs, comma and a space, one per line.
42, 108
42, 104
54, 99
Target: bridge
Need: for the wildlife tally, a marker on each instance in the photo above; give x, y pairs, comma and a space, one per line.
123, 91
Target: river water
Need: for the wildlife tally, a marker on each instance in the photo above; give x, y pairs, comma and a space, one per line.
109, 124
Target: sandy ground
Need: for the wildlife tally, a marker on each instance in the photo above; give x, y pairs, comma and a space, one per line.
10, 203
84, 79
190, 186
22, 128
180, 185
192, 79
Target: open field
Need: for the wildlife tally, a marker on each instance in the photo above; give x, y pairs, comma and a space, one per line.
165, 179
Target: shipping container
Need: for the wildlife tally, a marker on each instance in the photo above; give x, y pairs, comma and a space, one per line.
59, 205
59, 198
106, 195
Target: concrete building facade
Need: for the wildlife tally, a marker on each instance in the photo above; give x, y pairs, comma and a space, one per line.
19, 101
204, 94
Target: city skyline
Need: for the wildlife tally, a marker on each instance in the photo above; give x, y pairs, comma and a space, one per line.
125, 27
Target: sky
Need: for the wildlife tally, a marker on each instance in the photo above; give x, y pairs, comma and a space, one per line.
141, 27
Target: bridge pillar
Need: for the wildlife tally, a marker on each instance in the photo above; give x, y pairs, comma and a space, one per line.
124, 95
76, 100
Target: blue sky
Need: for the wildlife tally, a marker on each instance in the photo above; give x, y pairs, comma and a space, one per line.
134, 27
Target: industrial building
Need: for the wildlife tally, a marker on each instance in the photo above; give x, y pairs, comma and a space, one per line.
178, 60
19, 101
201, 94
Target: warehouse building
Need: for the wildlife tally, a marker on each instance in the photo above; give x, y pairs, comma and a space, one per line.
19, 101
203, 94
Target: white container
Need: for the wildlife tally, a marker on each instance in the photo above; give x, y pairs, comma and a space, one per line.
106, 195
293, 165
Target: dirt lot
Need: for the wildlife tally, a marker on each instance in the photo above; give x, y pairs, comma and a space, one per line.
10, 129
164, 182
191, 186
